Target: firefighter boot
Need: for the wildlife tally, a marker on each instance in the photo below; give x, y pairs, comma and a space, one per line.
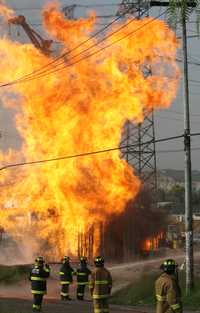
36, 308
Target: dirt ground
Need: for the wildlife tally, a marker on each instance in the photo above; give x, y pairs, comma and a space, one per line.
122, 274
18, 298
55, 306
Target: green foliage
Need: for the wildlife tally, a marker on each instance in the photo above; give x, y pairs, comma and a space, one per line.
138, 293
177, 195
12, 274
142, 292
198, 16
177, 11
173, 14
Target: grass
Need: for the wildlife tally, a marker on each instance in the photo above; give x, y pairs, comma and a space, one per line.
142, 293
12, 274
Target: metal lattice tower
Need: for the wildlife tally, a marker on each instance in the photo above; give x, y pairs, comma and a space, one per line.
69, 11
142, 157
137, 8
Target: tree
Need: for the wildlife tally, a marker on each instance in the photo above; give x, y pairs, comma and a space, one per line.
177, 193
183, 8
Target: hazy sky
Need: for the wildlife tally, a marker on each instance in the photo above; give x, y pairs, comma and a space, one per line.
168, 122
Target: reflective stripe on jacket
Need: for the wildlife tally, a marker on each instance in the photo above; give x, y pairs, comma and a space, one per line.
38, 276
83, 275
168, 294
66, 274
100, 283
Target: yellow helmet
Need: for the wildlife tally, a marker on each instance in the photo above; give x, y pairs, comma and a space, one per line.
39, 260
99, 261
66, 259
169, 266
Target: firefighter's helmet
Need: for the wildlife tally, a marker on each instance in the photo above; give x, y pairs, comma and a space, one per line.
83, 260
39, 260
99, 261
169, 266
66, 259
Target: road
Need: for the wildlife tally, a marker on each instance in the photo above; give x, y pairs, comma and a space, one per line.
17, 298
54, 306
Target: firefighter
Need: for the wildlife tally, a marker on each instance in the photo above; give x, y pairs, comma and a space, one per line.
82, 274
38, 275
168, 292
66, 278
100, 286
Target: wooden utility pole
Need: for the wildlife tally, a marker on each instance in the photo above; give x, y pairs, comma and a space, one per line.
188, 170
187, 146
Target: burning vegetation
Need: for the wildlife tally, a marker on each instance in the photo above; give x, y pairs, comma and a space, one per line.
79, 109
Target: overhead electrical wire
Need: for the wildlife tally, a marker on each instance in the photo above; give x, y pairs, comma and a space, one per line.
73, 156
91, 47
100, 151
181, 113
173, 119
103, 151
76, 47
177, 150
40, 75
94, 5
195, 81
63, 55
39, 71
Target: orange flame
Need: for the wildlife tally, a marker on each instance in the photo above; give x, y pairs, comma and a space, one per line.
153, 242
6, 12
80, 109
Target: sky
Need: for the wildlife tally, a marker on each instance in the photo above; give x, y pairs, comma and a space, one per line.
167, 122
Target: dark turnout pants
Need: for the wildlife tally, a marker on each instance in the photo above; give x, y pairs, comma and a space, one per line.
64, 292
37, 301
80, 291
101, 305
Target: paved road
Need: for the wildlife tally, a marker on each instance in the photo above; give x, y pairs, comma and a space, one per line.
54, 306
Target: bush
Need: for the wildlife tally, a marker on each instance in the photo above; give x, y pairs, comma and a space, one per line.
12, 274
141, 292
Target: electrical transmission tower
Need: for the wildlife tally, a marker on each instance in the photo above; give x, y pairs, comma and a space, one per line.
143, 157
69, 11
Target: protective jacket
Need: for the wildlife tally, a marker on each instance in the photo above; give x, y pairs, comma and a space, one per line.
168, 294
66, 274
100, 283
38, 276
82, 274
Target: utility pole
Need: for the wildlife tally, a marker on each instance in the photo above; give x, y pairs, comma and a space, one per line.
188, 170
187, 146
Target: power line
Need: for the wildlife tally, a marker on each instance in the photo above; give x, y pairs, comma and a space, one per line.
83, 58
95, 5
86, 50
94, 152
195, 134
176, 150
173, 119
194, 81
193, 63
181, 113
73, 49
189, 62
88, 153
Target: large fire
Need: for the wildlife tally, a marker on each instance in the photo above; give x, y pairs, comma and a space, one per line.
77, 110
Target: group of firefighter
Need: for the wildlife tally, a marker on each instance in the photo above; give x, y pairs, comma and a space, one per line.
100, 282
167, 289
